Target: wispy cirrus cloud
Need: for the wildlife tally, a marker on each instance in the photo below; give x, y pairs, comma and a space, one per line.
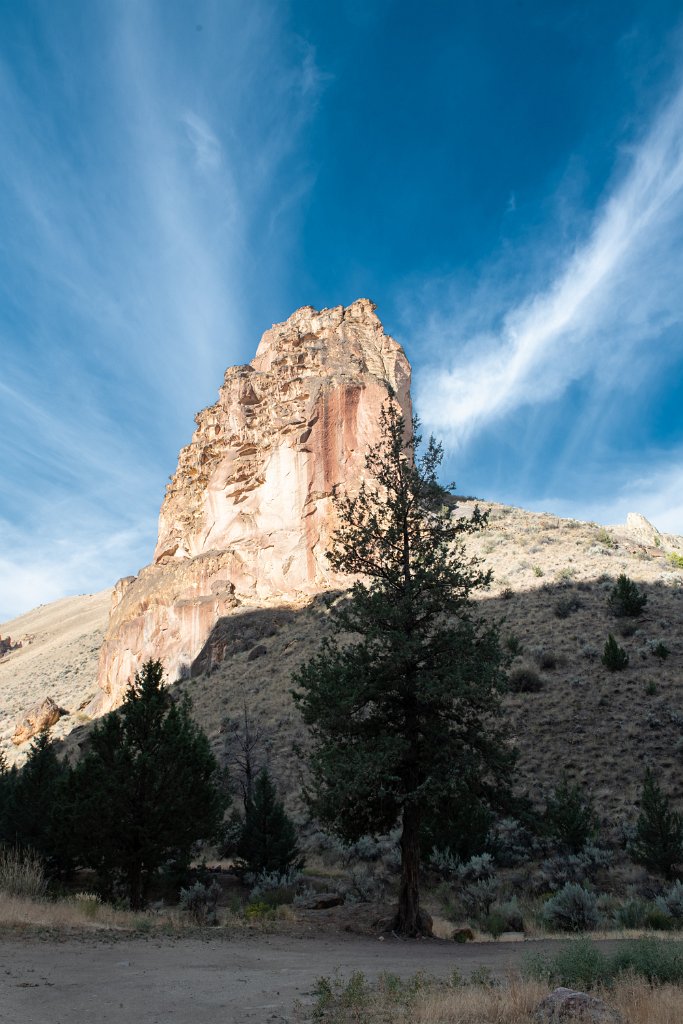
141, 147
616, 291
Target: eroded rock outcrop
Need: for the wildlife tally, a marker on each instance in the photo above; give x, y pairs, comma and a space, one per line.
248, 515
43, 716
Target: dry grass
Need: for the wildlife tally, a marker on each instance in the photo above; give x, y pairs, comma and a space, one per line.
82, 911
515, 1003
511, 1003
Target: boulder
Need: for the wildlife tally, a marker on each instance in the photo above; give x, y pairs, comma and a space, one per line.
565, 1004
41, 716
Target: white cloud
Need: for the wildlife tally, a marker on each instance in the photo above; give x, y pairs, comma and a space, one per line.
130, 183
616, 292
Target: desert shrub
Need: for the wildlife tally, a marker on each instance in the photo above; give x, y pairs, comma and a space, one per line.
661, 651
524, 679
574, 867
537, 571
632, 913
572, 909
514, 645
580, 965
476, 869
545, 658
199, 901
21, 872
614, 657
625, 599
478, 897
570, 817
658, 839
565, 606
605, 538
510, 842
659, 961
506, 917
275, 887
671, 902
365, 885
651, 689
444, 862
676, 560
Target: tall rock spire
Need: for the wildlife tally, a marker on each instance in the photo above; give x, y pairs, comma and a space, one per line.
248, 514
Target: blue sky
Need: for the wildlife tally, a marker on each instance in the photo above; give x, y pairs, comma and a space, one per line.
504, 180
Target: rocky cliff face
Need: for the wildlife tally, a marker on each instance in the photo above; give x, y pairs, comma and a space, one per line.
248, 515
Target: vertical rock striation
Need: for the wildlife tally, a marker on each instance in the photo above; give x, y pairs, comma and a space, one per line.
248, 515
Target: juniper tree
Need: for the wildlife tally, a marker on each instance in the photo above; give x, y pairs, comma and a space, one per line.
403, 701
147, 789
268, 841
658, 842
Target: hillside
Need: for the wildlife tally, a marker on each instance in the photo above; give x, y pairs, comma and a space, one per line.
552, 578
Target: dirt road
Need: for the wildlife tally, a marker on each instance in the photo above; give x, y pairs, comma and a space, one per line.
190, 981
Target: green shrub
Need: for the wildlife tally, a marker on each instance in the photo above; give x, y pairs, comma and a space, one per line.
625, 599
658, 841
572, 909
614, 657
661, 651
514, 645
506, 917
581, 965
524, 679
564, 607
671, 902
676, 560
199, 901
651, 689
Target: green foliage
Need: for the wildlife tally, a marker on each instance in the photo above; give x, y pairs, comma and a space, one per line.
268, 841
565, 606
658, 842
626, 599
676, 560
524, 679
570, 817
605, 538
614, 657
572, 909
147, 790
582, 965
661, 651
513, 644
35, 806
403, 717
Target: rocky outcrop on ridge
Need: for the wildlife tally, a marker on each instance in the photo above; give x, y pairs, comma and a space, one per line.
248, 515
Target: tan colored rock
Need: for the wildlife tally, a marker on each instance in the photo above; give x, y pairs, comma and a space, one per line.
41, 716
248, 515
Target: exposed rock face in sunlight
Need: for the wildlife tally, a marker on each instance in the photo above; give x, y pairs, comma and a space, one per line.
248, 515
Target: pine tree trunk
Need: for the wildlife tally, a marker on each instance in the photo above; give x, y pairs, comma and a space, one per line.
410, 919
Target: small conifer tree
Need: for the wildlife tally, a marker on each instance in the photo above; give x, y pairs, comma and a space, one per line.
614, 657
570, 817
625, 598
658, 842
268, 841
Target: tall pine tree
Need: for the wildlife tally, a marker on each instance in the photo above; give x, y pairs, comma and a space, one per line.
403, 702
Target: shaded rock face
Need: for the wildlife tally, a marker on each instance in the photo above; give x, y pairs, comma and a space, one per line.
248, 515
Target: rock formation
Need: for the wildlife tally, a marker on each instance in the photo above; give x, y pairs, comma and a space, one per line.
248, 515
43, 716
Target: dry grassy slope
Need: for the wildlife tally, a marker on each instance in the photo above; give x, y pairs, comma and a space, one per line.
601, 727
61, 643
